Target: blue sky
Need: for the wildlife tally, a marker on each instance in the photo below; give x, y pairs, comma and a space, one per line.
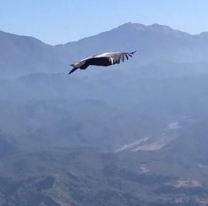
61, 21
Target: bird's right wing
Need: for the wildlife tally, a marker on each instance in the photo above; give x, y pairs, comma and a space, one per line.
118, 56
122, 56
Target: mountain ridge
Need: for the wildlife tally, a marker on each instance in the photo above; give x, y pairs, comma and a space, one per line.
138, 26
21, 55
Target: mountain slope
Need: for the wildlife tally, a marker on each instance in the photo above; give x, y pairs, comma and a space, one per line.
21, 55
84, 176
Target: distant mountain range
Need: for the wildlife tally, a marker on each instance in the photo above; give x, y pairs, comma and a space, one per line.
134, 134
20, 55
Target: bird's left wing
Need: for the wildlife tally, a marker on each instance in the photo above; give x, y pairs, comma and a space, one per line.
117, 56
81, 62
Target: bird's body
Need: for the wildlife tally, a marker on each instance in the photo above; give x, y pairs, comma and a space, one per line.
105, 59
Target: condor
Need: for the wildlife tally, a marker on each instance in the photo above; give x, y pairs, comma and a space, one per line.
105, 59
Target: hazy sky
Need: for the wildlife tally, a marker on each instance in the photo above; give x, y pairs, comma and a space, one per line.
60, 21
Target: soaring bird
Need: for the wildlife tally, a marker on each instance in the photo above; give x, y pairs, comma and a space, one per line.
105, 59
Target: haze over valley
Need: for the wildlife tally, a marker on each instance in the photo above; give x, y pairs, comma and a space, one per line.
132, 134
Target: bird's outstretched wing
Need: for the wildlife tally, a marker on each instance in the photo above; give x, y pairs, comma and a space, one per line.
116, 56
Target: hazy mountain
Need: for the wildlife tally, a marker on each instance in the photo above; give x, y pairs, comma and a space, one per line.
21, 55
153, 42
133, 134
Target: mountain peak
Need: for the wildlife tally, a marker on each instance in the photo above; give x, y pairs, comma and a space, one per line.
131, 26
160, 27
153, 27
164, 28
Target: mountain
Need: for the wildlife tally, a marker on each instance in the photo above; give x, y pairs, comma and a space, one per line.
133, 134
84, 177
154, 42
22, 55
107, 110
